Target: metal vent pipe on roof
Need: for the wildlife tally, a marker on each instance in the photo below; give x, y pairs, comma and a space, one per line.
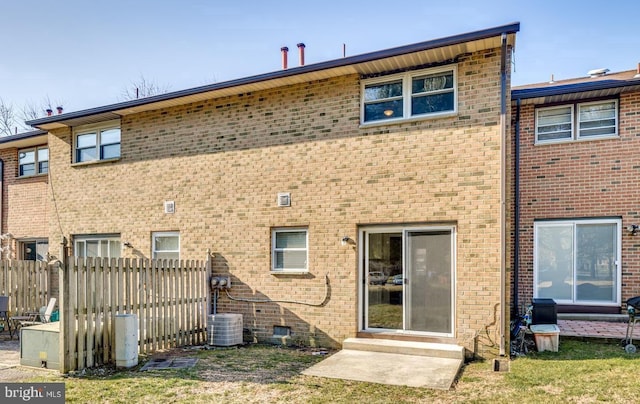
59, 110
284, 51
637, 76
301, 52
49, 111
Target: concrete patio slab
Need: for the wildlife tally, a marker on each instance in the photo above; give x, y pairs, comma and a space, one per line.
389, 368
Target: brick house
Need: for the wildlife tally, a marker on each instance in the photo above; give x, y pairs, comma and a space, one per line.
578, 182
305, 181
24, 219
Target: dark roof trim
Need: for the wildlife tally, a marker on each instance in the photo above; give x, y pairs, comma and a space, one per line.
22, 136
527, 93
351, 60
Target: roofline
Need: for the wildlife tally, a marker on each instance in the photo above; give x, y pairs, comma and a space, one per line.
527, 93
278, 74
22, 136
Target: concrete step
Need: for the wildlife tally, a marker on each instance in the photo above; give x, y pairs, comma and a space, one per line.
431, 349
613, 318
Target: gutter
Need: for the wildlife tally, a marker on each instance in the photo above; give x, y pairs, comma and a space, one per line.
503, 159
526, 93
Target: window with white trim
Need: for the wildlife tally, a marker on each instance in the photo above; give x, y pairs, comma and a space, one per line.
97, 246
33, 161
97, 142
165, 245
578, 261
587, 120
289, 250
424, 93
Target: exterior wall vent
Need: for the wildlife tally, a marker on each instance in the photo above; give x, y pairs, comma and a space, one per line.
169, 207
284, 199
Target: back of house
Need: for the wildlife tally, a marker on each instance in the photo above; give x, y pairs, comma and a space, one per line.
303, 181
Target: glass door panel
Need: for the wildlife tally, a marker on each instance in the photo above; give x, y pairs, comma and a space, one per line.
596, 262
384, 297
429, 281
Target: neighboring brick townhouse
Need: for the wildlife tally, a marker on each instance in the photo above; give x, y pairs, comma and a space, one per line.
24, 199
362, 196
579, 177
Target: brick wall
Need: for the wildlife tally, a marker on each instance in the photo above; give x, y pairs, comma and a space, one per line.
223, 161
24, 203
586, 179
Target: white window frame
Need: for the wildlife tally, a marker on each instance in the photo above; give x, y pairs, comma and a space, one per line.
155, 234
575, 122
36, 161
96, 129
274, 233
407, 95
79, 240
559, 223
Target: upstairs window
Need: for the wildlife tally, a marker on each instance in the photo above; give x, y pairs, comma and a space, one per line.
33, 161
424, 93
97, 142
588, 120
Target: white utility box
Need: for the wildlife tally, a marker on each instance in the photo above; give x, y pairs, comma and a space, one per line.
40, 345
126, 343
547, 336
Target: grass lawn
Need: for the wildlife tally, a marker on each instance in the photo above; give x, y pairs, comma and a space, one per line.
582, 372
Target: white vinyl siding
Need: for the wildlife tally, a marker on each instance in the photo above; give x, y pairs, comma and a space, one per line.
419, 94
290, 250
589, 120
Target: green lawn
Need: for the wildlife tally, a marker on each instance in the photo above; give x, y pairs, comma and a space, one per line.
581, 372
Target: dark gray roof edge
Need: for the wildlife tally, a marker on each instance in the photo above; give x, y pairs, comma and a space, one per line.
22, 136
365, 57
526, 93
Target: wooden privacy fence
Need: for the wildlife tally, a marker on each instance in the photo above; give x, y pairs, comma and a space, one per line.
26, 283
170, 299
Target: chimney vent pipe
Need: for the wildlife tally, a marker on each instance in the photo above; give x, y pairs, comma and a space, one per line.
49, 111
59, 110
301, 52
284, 51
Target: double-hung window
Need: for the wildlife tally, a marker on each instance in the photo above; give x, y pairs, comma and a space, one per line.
33, 161
166, 245
97, 246
97, 142
578, 261
289, 250
418, 94
587, 120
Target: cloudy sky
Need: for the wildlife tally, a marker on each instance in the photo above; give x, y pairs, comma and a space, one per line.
83, 54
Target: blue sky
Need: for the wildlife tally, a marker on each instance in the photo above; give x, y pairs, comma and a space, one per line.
84, 53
